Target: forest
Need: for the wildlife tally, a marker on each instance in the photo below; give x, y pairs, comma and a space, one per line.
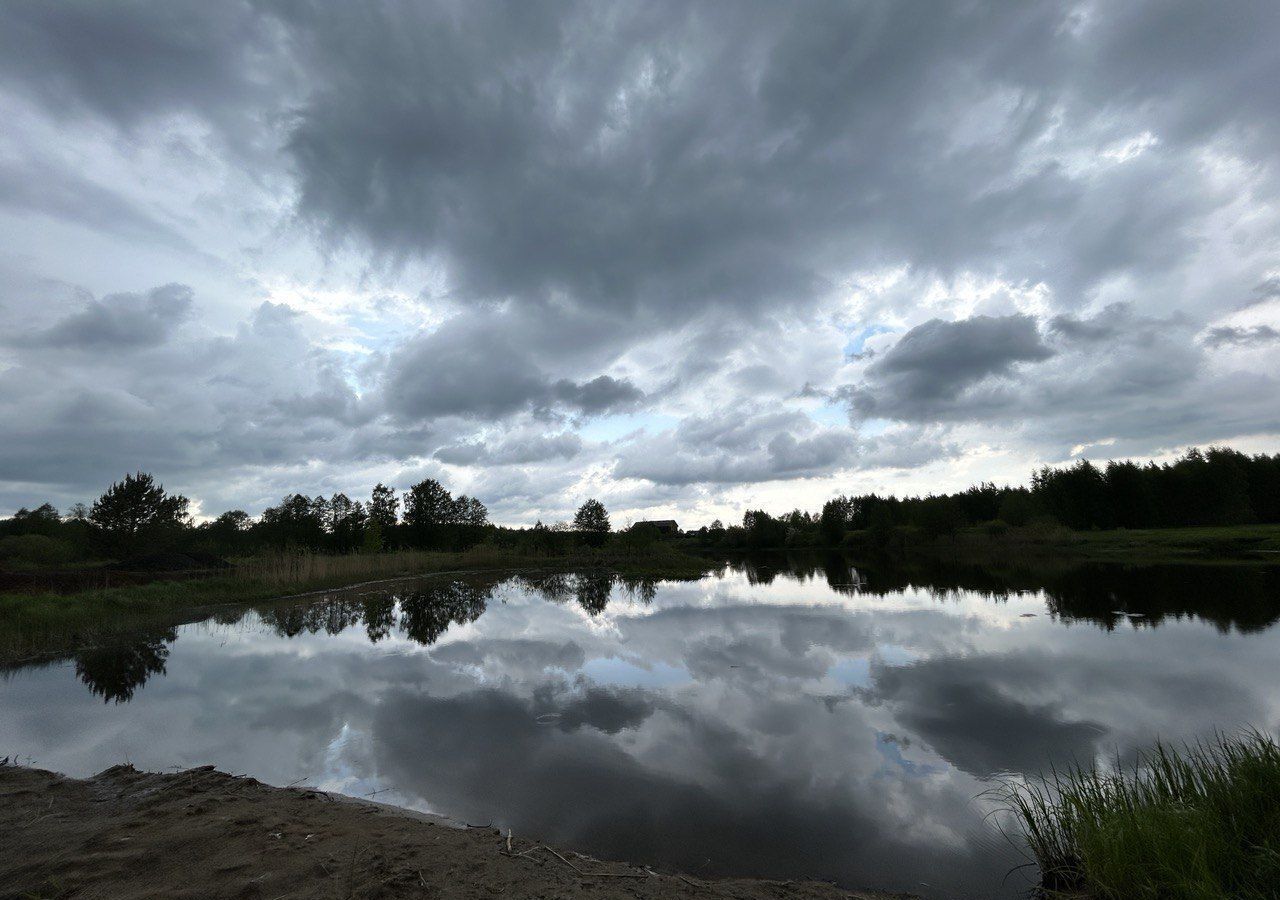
1218, 486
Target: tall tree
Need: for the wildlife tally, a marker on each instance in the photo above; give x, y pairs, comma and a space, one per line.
427, 504
299, 521
44, 519
229, 532
136, 512
428, 508
591, 518
835, 519
346, 523
470, 511
384, 508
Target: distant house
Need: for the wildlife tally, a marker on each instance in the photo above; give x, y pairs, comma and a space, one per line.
662, 526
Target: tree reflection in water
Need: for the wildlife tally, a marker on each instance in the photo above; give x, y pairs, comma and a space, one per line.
115, 672
1240, 598
426, 614
1243, 598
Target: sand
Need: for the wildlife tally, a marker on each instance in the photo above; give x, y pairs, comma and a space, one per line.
204, 833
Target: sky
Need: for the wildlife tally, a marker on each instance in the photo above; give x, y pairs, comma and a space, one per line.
684, 258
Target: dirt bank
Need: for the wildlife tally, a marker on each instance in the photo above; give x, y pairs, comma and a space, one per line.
203, 833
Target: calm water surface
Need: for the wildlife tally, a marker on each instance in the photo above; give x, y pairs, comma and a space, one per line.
789, 717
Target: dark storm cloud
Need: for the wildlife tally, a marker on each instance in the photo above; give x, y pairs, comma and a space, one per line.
608, 710
1235, 336
744, 445
133, 60
119, 321
933, 364
333, 398
515, 449
599, 395
184, 404
1135, 381
473, 366
1265, 292
483, 756
1105, 326
583, 162
671, 157
958, 704
735, 447
668, 157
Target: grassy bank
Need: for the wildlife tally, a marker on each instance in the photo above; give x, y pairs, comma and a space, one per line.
1199, 822
1228, 543
36, 622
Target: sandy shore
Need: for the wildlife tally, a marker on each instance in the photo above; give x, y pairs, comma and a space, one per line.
204, 833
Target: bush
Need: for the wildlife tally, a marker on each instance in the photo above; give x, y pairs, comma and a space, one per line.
1045, 530
637, 538
1017, 508
35, 549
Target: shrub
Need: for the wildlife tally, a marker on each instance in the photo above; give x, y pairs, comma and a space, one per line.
35, 549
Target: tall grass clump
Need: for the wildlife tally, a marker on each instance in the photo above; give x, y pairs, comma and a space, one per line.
1200, 821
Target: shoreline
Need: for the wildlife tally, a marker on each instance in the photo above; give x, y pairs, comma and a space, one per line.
204, 833
1244, 545
48, 623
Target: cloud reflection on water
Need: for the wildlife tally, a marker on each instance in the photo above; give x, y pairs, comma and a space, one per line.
760, 722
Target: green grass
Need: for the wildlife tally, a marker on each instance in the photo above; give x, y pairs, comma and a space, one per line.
35, 623
1206, 542
1201, 821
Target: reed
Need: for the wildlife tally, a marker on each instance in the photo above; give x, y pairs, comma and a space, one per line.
291, 569
1198, 821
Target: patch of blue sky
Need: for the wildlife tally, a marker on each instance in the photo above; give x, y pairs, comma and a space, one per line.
621, 672
374, 330
858, 342
612, 427
890, 749
895, 654
853, 671
832, 414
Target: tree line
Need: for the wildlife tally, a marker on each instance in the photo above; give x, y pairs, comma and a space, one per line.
1218, 486
137, 516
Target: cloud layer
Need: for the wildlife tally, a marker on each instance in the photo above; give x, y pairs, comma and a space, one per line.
684, 258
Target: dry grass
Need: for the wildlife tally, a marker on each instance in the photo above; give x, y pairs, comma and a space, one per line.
292, 569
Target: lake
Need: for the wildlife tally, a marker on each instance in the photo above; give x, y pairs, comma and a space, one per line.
791, 716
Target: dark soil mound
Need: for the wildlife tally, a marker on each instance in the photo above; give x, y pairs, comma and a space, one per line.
172, 561
166, 566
